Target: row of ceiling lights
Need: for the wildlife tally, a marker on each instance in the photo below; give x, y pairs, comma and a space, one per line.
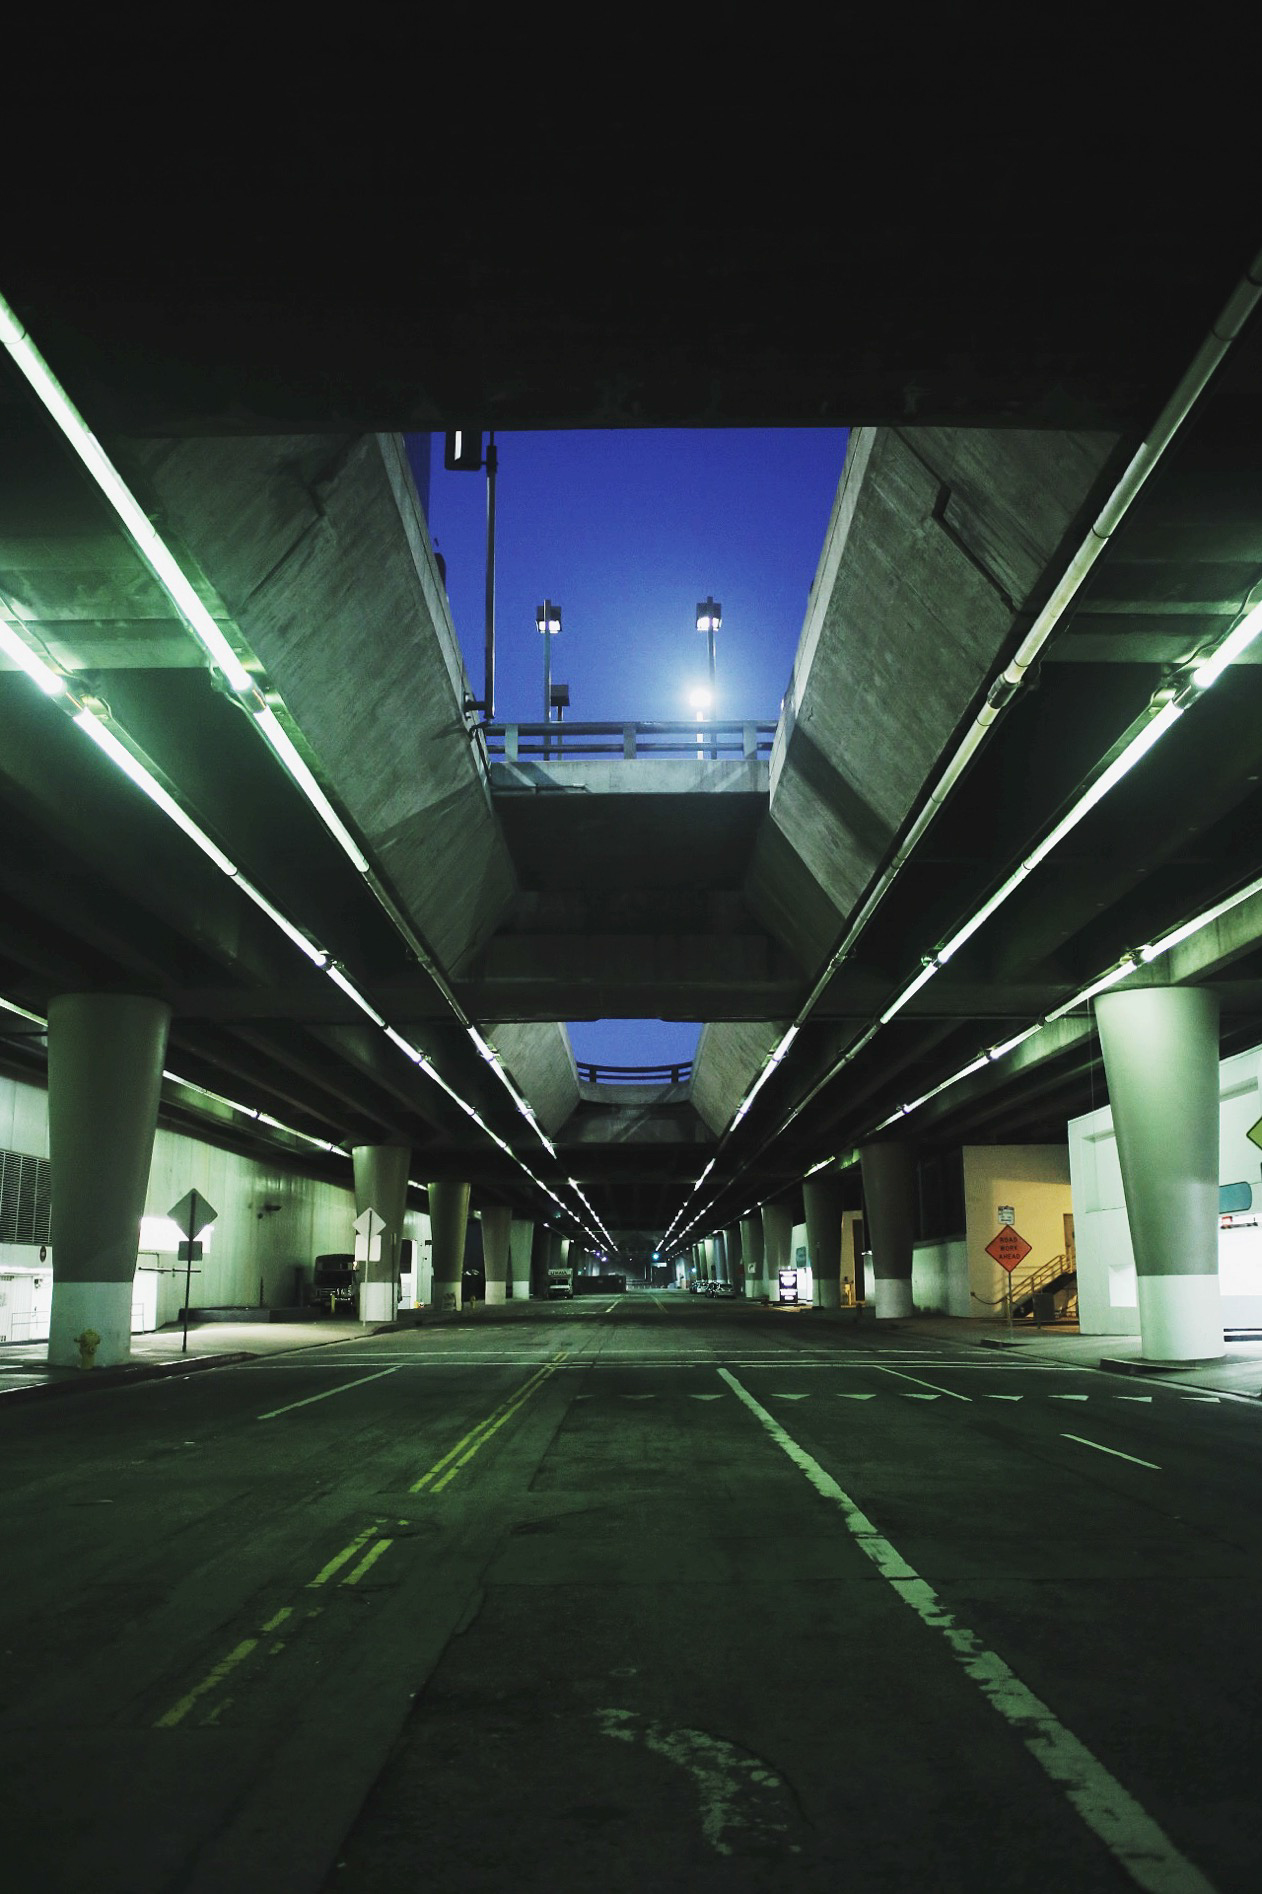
104, 732
1199, 675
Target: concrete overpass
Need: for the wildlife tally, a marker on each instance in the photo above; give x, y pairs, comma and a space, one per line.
1018, 578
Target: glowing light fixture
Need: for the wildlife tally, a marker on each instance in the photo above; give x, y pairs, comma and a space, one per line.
49, 681
134, 769
139, 528
1229, 650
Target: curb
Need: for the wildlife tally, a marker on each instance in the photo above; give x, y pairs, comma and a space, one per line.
104, 1378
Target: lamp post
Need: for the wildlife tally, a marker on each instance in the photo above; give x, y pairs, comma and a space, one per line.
710, 620
700, 700
548, 623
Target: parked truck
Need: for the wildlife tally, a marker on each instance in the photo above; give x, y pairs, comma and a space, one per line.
560, 1281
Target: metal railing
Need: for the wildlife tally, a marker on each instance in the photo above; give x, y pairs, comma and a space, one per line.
591, 1073
555, 741
1024, 1289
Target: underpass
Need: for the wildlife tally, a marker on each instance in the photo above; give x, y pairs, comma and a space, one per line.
646, 1590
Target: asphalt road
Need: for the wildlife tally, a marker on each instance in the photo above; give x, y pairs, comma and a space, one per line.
651, 1594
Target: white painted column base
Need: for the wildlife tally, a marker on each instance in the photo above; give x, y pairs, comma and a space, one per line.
495, 1293
828, 1293
1180, 1318
893, 1297
521, 1288
376, 1302
77, 1306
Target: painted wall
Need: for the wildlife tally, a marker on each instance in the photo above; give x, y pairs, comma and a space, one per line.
1107, 1299
251, 1253
1034, 1180
939, 1278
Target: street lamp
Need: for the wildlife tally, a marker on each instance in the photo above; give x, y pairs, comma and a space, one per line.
548, 623
710, 620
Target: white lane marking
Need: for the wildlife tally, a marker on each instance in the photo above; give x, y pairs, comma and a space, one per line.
841, 1396
1143, 1849
328, 1393
1005, 1397
916, 1397
608, 1307
639, 1397
1117, 1455
1133, 1397
927, 1384
789, 1397
705, 1397
1204, 1397
1068, 1397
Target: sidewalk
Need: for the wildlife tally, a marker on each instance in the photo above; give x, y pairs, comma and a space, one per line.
26, 1375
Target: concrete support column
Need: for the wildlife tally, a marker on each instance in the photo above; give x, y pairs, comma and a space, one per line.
1160, 1047
735, 1269
105, 1058
889, 1191
497, 1226
752, 1256
521, 1238
381, 1184
777, 1239
823, 1198
448, 1221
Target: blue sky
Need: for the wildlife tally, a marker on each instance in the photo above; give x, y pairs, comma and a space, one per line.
626, 531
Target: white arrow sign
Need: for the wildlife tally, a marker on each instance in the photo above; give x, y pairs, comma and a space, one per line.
369, 1225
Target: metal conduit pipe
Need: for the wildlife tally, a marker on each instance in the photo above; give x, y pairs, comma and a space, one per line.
1231, 319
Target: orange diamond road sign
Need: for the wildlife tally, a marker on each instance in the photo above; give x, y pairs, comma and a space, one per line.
1007, 1248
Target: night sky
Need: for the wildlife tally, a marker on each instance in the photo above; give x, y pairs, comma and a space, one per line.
626, 531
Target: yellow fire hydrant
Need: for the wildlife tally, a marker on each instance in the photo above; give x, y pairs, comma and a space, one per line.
87, 1342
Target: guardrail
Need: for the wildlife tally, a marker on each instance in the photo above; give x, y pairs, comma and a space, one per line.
554, 741
591, 1073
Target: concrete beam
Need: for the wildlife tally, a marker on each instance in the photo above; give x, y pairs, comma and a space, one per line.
319, 551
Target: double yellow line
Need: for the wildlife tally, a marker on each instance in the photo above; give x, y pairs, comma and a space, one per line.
444, 1471
368, 1545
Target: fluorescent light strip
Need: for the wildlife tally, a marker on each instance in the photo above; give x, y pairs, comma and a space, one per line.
1232, 645
11, 1006
316, 955
121, 756
283, 748
1111, 978
49, 681
922, 978
1206, 919
140, 529
352, 992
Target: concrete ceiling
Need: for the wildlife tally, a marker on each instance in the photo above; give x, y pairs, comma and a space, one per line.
1022, 387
